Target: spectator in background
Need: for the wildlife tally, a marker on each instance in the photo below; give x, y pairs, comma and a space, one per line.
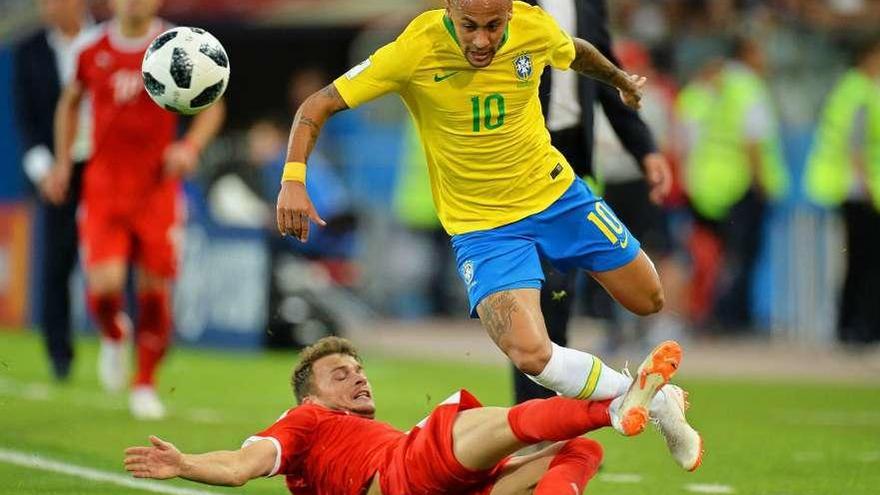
843, 171
692, 107
242, 191
238, 195
734, 168
44, 62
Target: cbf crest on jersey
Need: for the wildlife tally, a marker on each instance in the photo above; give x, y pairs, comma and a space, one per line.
467, 272
523, 66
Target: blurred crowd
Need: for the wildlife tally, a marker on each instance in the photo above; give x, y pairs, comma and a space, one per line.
739, 98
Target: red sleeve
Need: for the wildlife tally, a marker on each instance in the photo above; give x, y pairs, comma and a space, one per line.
292, 435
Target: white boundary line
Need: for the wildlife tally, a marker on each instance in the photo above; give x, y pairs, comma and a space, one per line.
34, 461
620, 477
709, 488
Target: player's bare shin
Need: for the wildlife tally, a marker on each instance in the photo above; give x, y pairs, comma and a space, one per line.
590, 62
295, 209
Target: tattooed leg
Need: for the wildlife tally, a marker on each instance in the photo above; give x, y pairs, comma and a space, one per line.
514, 322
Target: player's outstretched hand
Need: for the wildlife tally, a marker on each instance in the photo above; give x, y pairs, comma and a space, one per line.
632, 93
181, 159
658, 175
161, 461
54, 186
295, 209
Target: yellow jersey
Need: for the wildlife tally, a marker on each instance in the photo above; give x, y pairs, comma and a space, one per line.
489, 155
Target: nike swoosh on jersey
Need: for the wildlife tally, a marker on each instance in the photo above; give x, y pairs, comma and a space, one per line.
439, 78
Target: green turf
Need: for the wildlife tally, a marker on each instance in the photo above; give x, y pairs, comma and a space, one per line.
764, 438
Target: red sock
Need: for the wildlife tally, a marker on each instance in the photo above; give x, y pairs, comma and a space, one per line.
154, 334
571, 468
105, 309
557, 419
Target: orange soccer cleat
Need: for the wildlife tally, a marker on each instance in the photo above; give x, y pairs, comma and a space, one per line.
630, 412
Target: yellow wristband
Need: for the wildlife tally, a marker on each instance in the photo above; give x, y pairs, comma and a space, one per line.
294, 171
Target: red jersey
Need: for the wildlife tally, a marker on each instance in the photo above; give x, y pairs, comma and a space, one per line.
327, 452
130, 131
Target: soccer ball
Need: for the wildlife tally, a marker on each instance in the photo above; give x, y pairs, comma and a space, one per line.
185, 70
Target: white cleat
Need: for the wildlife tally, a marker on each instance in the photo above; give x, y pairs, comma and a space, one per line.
113, 358
629, 412
145, 404
684, 442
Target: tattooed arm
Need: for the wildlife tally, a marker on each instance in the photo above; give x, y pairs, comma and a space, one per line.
309, 120
589, 62
294, 208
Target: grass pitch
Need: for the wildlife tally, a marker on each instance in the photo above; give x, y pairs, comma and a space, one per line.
767, 438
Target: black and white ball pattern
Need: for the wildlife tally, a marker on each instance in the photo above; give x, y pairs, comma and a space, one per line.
185, 70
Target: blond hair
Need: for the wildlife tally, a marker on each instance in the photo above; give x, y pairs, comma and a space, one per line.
301, 378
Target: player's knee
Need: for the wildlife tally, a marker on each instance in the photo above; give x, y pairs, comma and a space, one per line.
530, 357
106, 286
656, 299
106, 280
650, 301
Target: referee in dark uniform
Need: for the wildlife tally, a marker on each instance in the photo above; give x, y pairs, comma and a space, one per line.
568, 103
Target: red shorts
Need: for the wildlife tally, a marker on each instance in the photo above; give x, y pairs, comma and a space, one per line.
426, 465
146, 231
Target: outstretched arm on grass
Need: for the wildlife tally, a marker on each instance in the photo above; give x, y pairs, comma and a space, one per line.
162, 460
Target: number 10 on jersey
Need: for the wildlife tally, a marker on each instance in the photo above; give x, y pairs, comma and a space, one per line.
489, 113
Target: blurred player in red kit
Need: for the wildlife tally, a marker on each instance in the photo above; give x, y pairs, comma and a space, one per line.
132, 211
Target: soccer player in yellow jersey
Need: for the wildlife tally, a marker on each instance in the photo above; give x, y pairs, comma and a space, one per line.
469, 75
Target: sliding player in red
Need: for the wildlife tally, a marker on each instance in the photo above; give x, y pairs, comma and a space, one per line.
331, 445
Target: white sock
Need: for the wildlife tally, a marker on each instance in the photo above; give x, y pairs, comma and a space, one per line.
580, 375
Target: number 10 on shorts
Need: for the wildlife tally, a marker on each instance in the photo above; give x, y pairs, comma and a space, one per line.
608, 224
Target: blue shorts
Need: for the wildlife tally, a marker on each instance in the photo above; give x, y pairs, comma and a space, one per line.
579, 230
